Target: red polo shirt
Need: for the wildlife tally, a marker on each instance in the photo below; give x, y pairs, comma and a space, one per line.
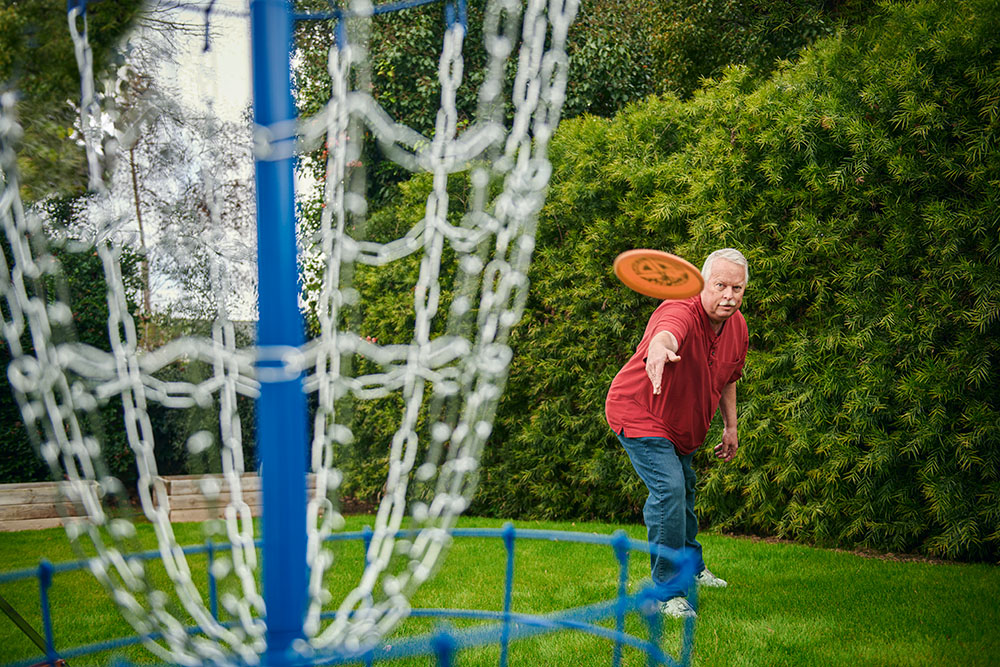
691, 388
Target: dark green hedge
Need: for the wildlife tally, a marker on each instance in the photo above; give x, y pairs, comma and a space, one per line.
620, 51
81, 285
37, 60
861, 182
85, 290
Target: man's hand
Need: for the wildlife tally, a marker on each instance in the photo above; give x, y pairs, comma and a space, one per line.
726, 449
661, 351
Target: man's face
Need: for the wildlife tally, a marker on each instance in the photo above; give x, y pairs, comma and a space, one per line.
723, 291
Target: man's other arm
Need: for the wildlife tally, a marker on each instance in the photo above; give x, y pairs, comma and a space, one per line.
726, 449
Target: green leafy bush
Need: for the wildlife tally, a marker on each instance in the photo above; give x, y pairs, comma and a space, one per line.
698, 40
861, 183
86, 293
620, 51
38, 61
84, 288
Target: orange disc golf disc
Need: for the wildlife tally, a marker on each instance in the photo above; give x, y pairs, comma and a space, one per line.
658, 274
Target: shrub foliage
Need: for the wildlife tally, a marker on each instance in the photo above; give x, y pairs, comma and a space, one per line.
37, 59
861, 183
81, 285
620, 52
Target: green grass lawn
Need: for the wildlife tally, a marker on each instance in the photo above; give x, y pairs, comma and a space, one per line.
786, 604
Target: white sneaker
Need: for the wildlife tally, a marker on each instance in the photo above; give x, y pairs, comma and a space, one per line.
706, 578
677, 608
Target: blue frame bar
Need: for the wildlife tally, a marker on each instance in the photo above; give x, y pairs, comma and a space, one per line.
45, 572
620, 544
281, 409
508, 540
213, 594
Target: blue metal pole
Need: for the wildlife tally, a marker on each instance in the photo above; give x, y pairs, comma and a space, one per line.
621, 547
508, 541
281, 408
213, 594
45, 571
443, 644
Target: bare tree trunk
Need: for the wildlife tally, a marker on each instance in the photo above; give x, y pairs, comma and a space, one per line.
147, 298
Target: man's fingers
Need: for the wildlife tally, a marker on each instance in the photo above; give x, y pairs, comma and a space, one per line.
725, 451
731, 451
655, 373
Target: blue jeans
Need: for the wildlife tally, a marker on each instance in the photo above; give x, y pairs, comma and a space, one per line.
669, 509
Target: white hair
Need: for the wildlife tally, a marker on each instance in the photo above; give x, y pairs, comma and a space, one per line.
730, 254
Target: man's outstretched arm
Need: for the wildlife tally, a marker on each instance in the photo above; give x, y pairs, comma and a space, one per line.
662, 350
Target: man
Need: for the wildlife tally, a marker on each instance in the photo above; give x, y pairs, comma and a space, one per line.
662, 401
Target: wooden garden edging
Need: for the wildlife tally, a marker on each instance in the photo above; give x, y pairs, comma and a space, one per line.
188, 502
36, 505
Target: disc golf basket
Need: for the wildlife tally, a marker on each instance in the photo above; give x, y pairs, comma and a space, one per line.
268, 600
